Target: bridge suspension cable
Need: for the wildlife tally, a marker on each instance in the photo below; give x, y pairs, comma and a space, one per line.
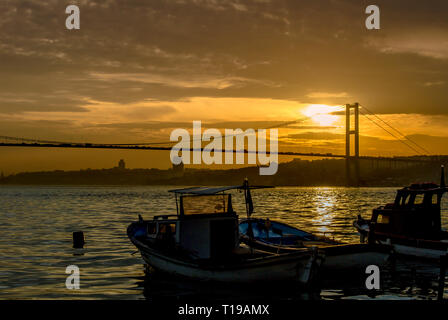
390, 133
396, 130
367, 113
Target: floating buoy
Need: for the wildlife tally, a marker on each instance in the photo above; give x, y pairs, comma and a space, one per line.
78, 239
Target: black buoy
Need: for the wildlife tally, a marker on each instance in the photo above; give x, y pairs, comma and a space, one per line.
78, 239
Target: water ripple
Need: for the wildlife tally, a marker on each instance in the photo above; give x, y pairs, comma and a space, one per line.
36, 224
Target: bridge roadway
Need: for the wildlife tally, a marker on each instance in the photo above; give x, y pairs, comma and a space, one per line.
51, 144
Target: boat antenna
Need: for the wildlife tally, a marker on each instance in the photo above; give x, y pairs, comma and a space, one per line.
249, 210
442, 176
248, 198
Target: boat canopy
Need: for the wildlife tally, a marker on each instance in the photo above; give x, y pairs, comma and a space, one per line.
203, 190
214, 190
423, 188
208, 204
205, 200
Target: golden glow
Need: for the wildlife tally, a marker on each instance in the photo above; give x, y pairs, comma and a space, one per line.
321, 114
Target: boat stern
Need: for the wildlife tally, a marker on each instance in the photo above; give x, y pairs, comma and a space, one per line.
312, 269
363, 227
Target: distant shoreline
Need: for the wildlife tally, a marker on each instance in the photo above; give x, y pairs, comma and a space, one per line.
296, 173
186, 185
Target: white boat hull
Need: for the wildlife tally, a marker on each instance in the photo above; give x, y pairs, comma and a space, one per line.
406, 250
416, 252
354, 261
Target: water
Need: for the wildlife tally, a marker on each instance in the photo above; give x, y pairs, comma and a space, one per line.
36, 225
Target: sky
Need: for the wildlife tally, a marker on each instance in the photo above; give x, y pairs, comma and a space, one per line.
136, 70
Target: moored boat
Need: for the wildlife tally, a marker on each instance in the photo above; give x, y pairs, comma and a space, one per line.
411, 224
201, 241
275, 236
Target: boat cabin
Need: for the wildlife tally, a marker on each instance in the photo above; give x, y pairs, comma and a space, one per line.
414, 213
205, 226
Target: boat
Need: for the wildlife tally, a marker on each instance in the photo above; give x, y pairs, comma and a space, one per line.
275, 236
201, 241
411, 224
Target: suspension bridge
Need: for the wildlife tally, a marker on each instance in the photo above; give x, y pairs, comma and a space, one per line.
352, 159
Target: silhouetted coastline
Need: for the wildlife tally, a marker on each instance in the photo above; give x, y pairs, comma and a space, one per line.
326, 172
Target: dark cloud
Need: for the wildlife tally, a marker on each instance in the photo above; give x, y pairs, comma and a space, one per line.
157, 125
283, 49
338, 113
316, 136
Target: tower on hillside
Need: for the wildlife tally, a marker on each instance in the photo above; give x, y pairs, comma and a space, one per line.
178, 169
121, 164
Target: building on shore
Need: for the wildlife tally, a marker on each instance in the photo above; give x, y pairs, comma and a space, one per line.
121, 164
178, 169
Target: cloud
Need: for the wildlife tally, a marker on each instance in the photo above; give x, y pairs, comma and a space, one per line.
199, 81
256, 125
28, 102
260, 59
429, 43
316, 136
324, 95
434, 83
338, 113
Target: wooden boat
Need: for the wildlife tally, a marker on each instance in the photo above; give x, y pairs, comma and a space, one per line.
201, 242
274, 236
411, 224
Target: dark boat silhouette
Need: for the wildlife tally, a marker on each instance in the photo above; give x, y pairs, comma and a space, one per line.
411, 224
201, 241
275, 236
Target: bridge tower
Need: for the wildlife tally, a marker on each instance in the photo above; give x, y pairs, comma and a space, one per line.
352, 161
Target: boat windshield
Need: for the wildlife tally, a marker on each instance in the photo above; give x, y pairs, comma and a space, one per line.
275, 230
209, 204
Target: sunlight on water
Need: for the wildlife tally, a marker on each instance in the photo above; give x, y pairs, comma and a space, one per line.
36, 224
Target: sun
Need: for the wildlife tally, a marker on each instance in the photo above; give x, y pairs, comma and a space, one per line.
322, 114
